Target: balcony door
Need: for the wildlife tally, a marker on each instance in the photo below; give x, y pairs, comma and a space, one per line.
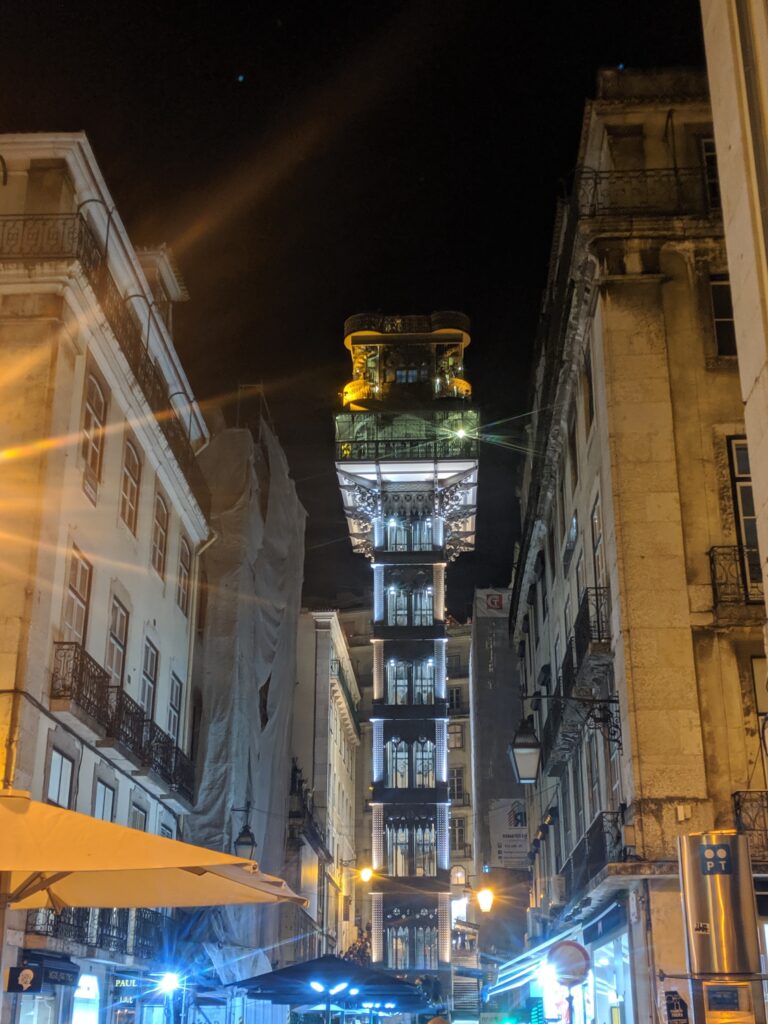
744, 510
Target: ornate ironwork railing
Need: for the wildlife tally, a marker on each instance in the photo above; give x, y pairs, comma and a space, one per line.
601, 844
183, 781
126, 721
73, 923
152, 933
663, 191
77, 677
568, 670
36, 239
402, 448
737, 576
112, 929
419, 324
158, 750
593, 621
750, 807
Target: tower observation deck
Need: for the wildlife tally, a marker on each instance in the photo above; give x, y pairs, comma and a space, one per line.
406, 459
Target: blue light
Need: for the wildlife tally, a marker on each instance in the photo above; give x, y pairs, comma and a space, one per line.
354, 991
317, 986
339, 988
389, 1006
169, 982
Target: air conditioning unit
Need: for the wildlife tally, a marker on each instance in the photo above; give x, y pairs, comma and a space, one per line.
556, 894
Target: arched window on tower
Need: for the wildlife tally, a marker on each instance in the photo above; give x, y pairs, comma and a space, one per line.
397, 849
424, 764
397, 947
425, 947
425, 849
397, 681
423, 614
397, 763
424, 681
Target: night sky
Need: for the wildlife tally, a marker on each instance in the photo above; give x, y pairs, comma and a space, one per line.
308, 161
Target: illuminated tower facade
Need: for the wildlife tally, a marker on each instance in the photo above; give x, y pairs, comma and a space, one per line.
406, 458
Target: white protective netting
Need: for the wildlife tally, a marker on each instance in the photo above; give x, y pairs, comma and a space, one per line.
254, 573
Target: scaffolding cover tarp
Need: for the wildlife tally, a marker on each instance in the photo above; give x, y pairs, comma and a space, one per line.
246, 669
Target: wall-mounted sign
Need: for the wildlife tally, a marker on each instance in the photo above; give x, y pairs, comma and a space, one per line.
25, 979
677, 1008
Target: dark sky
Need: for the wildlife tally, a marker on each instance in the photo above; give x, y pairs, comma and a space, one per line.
312, 160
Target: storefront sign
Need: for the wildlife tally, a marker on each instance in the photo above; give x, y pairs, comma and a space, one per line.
509, 834
61, 973
25, 979
715, 860
677, 1008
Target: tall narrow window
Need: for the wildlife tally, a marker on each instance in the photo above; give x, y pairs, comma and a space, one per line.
422, 607
129, 486
424, 681
425, 850
424, 763
455, 702
397, 948
60, 771
456, 784
185, 571
159, 535
711, 178
104, 801
397, 607
116, 642
455, 736
573, 453
578, 793
588, 390
77, 598
593, 771
149, 677
458, 834
397, 681
598, 557
397, 849
425, 941
746, 516
92, 444
397, 535
722, 314
397, 763
174, 708
422, 534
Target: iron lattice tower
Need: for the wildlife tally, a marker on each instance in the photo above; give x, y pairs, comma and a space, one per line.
406, 458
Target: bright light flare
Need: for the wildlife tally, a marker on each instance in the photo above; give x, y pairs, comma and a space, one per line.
169, 982
366, 874
485, 899
339, 988
316, 986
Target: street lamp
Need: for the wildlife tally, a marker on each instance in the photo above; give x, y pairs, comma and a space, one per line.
525, 752
366, 874
485, 899
245, 844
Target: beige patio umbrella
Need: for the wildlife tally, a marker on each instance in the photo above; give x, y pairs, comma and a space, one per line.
54, 858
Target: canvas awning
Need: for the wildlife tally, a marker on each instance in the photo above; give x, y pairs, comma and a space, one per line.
50, 857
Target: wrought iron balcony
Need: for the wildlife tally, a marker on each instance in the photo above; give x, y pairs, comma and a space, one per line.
660, 192
158, 750
72, 924
403, 448
737, 576
418, 324
750, 809
78, 678
112, 929
183, 780
600, 845
33, 239
126, 722
592, 628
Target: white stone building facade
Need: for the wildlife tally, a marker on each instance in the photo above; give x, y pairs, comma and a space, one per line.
104, 516
638, 600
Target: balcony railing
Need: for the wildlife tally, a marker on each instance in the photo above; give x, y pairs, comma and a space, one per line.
126, 721
38, 238
153, 933
601, 844
751, 812
112, 929
403, 448
664, 191
593, 622
737, 576
72, 924
79, 678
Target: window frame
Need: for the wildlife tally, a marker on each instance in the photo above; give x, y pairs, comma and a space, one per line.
184, 577
94, 423
130, 487
77, 598
159, 540
101, 785
57, 759
174, 709
148, 682
115, 643
725, 336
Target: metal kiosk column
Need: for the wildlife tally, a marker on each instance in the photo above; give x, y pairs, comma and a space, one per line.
722, 944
